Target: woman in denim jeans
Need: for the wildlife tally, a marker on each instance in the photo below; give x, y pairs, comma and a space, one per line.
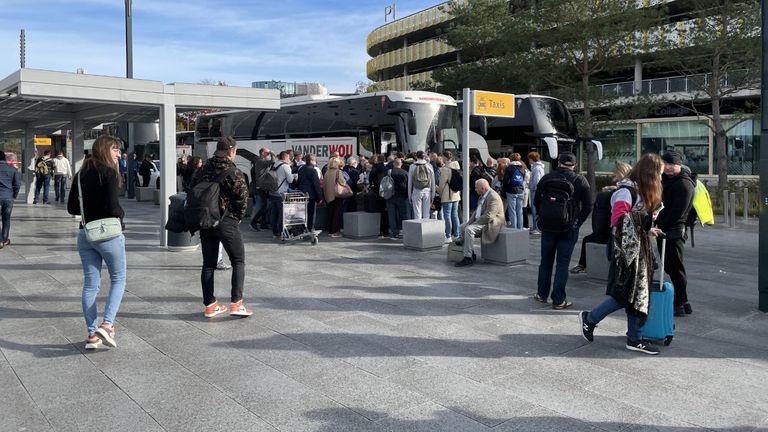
449, 199
645, 181
101, 182
515, 192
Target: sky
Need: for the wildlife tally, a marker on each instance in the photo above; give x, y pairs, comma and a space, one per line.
235, 41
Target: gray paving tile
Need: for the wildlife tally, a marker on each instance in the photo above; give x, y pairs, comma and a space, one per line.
428, 417
112, 411
544, 419
18, 411
464, 396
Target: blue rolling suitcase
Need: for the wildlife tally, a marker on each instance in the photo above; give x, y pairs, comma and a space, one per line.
660, 325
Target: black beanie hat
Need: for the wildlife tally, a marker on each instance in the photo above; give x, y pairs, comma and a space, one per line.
672, 157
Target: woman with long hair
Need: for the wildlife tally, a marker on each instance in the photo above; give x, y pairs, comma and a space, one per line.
335, 204
601, 215
632, 207
100, 180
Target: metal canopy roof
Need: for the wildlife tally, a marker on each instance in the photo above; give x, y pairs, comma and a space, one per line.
44, 101
48, 100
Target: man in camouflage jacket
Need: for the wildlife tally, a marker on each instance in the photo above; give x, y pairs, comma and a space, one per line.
232, 203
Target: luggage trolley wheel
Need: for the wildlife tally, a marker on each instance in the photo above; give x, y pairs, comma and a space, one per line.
314, 240
668, 340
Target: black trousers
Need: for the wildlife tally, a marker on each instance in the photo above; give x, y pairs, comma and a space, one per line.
228, 234
673, 266
335, 212
145, 180
591, 238
311, 204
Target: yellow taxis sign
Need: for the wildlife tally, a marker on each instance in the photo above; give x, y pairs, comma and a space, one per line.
492, 104
42, 141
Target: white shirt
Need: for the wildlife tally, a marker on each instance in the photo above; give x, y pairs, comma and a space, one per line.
479, 209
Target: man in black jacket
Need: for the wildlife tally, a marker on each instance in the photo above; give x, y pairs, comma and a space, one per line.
677, 197
557, 242
309, 183
397, 206
233, 199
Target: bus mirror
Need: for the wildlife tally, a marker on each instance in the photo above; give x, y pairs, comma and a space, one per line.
411, 124
484, 126
599, 148
552, 146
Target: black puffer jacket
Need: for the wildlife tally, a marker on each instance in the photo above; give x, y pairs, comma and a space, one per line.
677, 197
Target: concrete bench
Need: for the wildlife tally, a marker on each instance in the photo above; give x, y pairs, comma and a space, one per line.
145, 193
597, 261
361, 224
423, 234
511, 247
156, 196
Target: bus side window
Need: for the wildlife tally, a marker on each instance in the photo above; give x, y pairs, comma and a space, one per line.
365, 143
389, 142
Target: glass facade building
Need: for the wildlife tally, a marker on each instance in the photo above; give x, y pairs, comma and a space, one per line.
692, 137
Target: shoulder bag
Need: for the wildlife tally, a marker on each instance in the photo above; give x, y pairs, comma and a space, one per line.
342, 191
99, 230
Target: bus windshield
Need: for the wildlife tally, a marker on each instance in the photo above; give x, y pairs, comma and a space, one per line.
437, 126
541, 124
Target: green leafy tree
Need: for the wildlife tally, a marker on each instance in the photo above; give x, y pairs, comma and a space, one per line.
558, 47
718, 50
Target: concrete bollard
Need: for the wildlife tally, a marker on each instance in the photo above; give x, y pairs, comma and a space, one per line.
746, 205
732, 205
725, 208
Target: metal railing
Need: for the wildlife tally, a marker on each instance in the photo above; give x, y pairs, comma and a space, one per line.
677, 84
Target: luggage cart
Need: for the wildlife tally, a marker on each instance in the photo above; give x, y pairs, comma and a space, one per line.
295, 218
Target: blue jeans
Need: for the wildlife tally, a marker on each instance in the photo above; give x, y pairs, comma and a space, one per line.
532, 195
515, 210
112, 252
6, 207
556, 246
259, 209
60, 187
609, 306
451, 218
276, 213
42, 182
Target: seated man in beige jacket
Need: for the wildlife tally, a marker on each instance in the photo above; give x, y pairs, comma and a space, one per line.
487, 219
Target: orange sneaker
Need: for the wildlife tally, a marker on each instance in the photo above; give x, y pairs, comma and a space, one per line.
239, 309
214, 309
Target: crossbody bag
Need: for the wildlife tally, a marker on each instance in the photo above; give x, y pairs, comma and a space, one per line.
99, 230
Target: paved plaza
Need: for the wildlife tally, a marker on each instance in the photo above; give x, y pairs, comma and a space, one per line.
363, 335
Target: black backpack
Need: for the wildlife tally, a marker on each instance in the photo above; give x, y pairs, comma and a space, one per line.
456, 182
601, 211
267, 180
201, 210
557, 206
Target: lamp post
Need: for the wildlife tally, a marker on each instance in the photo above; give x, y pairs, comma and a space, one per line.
128, 40
763, 244
127, 127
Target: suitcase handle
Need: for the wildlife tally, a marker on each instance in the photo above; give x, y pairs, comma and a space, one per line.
663, 238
